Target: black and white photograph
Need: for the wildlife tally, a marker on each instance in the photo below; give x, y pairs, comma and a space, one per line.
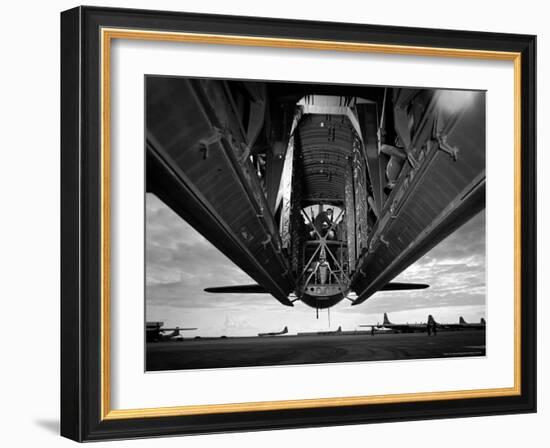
275, 224
296, 223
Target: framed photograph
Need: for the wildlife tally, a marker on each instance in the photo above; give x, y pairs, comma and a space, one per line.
277, 224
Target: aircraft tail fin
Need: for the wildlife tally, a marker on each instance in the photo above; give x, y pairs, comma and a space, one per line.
461, 320
339, 329
285, 330
482, 321
386, 320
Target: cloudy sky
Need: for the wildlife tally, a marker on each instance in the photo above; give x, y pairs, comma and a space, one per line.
180, 263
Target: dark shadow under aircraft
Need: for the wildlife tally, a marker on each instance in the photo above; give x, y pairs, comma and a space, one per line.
316, 191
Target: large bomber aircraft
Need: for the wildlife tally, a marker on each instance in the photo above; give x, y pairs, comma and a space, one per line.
274, 333
318, 192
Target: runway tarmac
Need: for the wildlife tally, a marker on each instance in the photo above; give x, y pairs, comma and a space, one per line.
285, 350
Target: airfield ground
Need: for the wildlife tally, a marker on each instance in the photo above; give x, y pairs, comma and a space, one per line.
289, 349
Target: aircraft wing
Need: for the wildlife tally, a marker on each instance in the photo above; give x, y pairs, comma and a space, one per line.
238, 289
451, 175
398, 286
227, 208
257, 289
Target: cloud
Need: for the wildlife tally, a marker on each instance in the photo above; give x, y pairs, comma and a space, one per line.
454, 269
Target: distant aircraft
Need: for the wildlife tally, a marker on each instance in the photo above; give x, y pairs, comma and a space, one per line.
321, 333
339, 330
155, 332
476, 326
320, 191
423, 326
403, 328
275, 333
461, 325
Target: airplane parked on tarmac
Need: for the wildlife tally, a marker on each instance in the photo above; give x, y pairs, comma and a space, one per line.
430, 325
322, 332
476, 326
337, 331
402, 328
275, 333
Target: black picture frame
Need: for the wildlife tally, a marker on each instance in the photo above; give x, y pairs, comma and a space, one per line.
81, 225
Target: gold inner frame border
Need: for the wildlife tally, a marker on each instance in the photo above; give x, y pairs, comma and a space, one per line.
107, 35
